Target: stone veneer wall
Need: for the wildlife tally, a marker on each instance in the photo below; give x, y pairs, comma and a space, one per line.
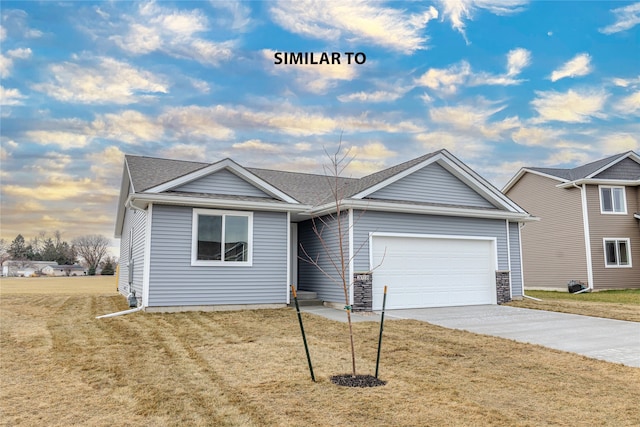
503, 287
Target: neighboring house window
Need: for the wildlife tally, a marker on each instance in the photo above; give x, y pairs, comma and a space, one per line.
221, 237
612, 200
617, 253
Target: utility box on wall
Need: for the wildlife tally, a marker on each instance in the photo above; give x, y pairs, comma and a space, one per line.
362, 291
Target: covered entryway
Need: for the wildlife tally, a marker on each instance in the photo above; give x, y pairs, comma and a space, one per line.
433, 271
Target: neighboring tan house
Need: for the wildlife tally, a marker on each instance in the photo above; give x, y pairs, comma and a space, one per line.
589, 228
217, 235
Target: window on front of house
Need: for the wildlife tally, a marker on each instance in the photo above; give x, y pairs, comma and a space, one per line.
617, 253
221, 237
612, 200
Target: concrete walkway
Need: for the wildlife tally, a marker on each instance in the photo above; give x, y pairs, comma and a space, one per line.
615, 341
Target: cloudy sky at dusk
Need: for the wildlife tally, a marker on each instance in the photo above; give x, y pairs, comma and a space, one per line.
499, 83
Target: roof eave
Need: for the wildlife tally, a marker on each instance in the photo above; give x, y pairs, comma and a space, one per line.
421, 209
125, 183
142, 200
595, 181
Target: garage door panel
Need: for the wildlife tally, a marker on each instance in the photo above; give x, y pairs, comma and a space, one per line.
433, 272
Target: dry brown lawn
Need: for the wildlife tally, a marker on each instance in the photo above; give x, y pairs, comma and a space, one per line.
60, 366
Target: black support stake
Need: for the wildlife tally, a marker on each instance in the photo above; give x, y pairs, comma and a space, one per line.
384, 302
304, 338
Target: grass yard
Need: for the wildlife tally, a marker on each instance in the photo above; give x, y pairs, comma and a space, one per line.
60, 366
621, 305
58, 285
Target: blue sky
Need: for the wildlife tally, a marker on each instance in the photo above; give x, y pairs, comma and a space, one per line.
500, 83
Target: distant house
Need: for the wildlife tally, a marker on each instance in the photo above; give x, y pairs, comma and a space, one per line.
200, 235
590, 223
65, 270
24, 268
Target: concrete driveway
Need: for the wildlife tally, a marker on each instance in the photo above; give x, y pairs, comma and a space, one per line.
615, 341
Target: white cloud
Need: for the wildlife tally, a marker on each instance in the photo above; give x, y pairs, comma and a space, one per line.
128, 126
191, 152
446, 80
239, 11
10, 96
314, 78
359, 21
198, 122
3, 33
101, 80
107, 164
629, 105
257, 145
457, 11
471, 146
375, 96
517, 60
579, 65
474, 119
22, 53
620, 82
6, 64
537, 136
173, 32
64, 139
371, 151
572, 106
626, 18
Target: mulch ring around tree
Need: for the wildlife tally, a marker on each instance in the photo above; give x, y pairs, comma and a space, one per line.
349, 380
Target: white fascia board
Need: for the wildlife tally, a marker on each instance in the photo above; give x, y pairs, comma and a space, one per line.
522, 171
591, 181
422, 209
141, 200
630, 154
396, 177
232, 167
478, 183
124, 194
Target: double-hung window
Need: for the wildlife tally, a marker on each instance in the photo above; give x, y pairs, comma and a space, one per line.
617, 253
221, 237
612, 200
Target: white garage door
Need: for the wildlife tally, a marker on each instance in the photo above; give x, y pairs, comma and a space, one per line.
433, 271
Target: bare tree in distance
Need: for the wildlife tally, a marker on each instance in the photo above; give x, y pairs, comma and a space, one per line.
338, 260
93, 248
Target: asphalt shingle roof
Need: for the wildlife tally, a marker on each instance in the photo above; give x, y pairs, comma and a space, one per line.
579, 172
147, 172
311, 189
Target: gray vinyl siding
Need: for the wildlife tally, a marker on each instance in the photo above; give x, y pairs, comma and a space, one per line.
175, 282
371, 222
516, 263
138, 221
222, 182
432, 184
310, 276
626, 169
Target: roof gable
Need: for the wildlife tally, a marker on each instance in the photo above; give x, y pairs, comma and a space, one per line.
455, 167
620, 167
177, 174
432, 184
222, 182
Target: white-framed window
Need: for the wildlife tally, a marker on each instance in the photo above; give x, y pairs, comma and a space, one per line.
617, 252
612, 200
221, 237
